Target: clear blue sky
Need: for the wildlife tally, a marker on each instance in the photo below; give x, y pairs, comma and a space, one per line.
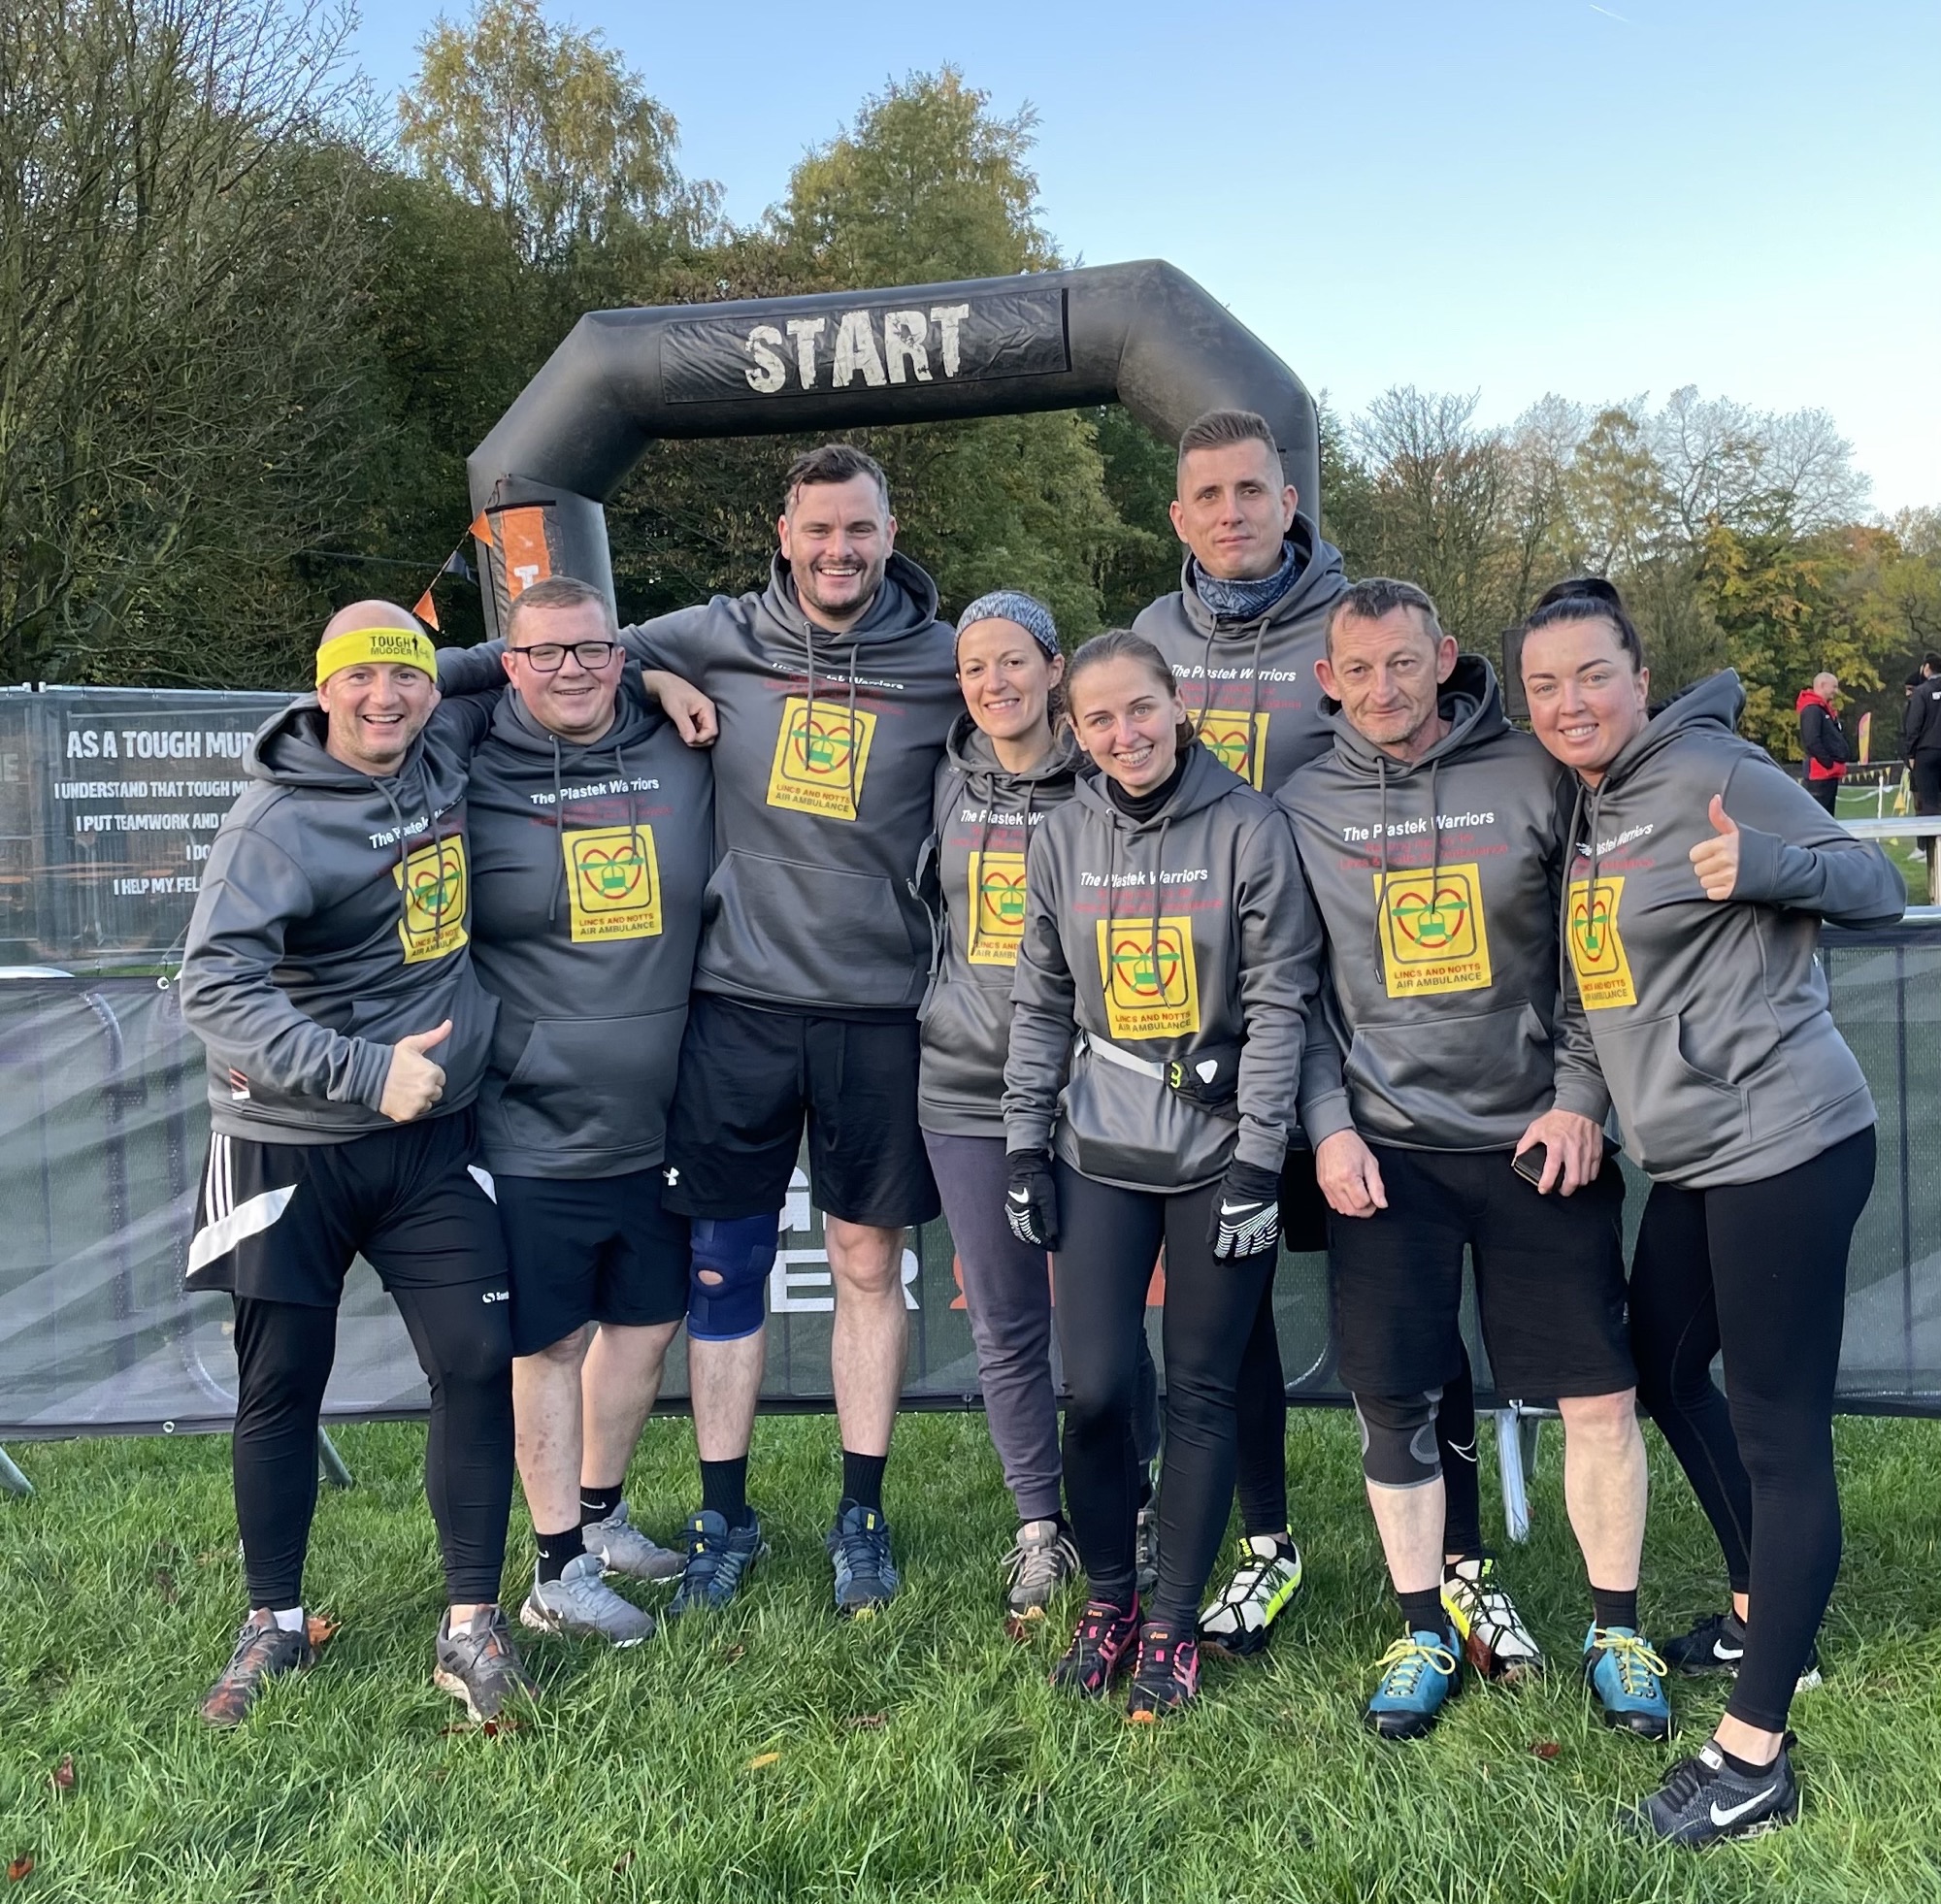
1510, 198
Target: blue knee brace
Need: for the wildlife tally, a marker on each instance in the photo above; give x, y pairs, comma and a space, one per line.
740, 1255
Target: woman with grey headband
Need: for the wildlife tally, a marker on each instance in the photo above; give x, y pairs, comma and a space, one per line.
1008, 761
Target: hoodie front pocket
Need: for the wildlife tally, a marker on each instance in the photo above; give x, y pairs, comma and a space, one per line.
1673, 1114
590, 1085
1450, 1076
780, 930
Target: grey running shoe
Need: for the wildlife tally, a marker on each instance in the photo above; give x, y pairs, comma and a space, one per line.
859, 1548
1145, 1546
579, 1601
624, 1549
719, 1558
1041, 1562
479, 1665
1718, 1644
263, 1652
1703, 1799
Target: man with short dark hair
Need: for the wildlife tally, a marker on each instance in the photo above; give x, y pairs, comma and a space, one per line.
1921, 735
591, 826
1447, 1065
1243, 634
837, 689
328, 971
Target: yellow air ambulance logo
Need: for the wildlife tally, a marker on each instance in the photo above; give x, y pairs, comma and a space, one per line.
1152, 990
821, 755
1596, 948
1237, 740
613, 883
1435, 937
997, 909
433, 879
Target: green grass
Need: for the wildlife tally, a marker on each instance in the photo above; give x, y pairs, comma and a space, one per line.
918, 1756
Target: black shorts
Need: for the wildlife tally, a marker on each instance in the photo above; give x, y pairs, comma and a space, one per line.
1927, 777
282, 1223
1304, 1210
590, 1249
1550, 1279
748, 1080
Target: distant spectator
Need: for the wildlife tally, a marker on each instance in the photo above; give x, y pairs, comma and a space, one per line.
1921, 735
1822, 740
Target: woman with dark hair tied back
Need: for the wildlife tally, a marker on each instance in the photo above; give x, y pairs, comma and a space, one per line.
1698, 875
1169, 958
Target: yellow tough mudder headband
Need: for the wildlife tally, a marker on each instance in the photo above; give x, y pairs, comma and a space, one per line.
408, 647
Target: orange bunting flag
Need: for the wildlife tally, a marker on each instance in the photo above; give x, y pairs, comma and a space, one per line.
426, 609
482, 527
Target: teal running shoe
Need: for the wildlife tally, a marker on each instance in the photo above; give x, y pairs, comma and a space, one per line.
1628, 1679
1419, 1676
719, 1558
859, 1550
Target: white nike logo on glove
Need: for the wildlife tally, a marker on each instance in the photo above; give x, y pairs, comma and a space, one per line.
1020, 1197
1735, 1812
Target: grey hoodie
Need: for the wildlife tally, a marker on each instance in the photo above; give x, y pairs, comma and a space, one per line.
333, 919
809, 908
1167, 937
974, 872
1711, 1018
590, 864
1441, 1026
1257, 676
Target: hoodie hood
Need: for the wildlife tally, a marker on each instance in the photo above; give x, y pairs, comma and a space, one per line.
904, 600
1711, 707
288, 750
1249, 685
1203, 782
972, 876
1318, 578
1471, 702
1809, 699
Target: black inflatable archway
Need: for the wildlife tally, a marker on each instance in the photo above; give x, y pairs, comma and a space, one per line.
1143, 335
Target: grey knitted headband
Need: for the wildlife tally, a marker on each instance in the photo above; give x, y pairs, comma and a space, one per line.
1014, 605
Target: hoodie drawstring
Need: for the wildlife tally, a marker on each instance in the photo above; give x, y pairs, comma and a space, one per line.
558, 827
1256, 771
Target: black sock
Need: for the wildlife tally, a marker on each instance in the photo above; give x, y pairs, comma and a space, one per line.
1610, 1608
724, 1490
1423, 1613
862, 1479
1745, 1768
598, 1503
556, 1550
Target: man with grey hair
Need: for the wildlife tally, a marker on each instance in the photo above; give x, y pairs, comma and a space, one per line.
1822, 740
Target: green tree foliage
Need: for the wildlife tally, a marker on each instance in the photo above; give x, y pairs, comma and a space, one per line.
180, 380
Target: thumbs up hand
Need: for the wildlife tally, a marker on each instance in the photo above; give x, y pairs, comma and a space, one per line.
1715, 860
415, 1083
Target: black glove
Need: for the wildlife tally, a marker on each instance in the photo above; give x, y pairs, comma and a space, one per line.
1030, 1201
1246, 1212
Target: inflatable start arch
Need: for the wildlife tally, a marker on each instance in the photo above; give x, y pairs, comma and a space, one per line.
1143, 335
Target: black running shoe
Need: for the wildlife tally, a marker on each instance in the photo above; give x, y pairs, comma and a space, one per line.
859, 1552
1717, 1645
1167, 1676
1101, 1648
263, 1652
1703, 1799
479, 1665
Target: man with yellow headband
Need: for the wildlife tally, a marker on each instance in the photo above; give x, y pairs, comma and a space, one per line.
328, 972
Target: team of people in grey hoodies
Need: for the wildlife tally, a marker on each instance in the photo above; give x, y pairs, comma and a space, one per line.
530, 944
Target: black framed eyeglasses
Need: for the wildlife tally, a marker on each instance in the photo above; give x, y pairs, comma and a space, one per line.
550, 657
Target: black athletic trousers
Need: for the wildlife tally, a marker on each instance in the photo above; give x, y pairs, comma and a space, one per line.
1110, 1238
284, 1353
1759, 1270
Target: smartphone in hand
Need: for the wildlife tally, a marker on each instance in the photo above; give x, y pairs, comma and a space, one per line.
1530, 1165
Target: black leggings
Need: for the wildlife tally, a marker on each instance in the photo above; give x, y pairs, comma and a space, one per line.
1759, 1269
1112, 1240
284, 1353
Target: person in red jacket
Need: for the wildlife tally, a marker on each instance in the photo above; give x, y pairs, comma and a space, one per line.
1822, 740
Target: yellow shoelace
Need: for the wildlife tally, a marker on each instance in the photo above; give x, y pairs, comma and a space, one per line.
1412, 1654
1635, 1657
